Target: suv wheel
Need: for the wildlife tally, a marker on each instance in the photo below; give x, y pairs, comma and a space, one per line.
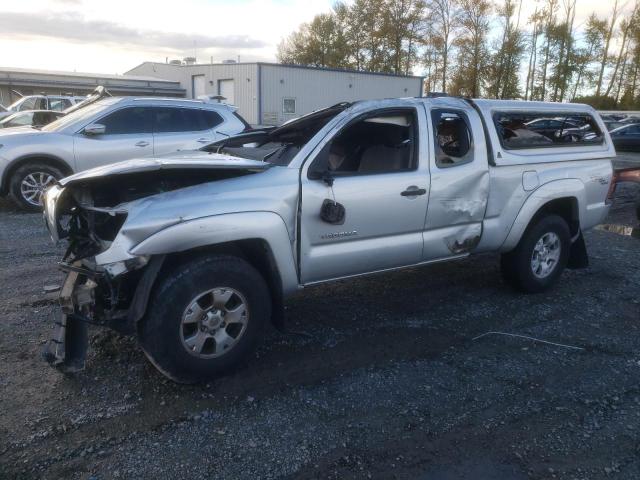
29, 182
540, 257
205, 317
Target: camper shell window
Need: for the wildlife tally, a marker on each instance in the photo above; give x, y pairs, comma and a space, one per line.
518, 130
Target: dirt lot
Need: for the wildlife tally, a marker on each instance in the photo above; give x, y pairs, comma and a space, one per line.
383, 379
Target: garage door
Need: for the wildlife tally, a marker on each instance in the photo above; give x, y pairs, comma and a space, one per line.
226, 89
198, 85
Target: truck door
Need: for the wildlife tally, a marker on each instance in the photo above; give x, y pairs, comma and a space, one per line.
374, 163
459, 183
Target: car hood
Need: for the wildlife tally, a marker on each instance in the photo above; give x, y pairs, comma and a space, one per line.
19, 133
187, 160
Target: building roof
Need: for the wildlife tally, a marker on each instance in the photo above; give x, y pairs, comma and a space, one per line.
59, 73
284, 65
117, 83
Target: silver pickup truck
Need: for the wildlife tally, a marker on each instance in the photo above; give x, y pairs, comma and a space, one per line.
195, 252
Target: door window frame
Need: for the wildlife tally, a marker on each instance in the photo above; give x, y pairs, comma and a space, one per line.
106, 114
436, 145
415, 153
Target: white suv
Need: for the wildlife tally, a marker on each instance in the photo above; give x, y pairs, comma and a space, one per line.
107, 131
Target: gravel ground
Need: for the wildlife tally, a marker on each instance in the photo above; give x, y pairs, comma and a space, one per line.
384, 379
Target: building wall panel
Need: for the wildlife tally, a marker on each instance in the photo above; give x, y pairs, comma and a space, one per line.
317, 88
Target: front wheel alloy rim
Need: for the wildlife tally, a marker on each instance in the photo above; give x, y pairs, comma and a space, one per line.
214, 322
546, 255
34, 185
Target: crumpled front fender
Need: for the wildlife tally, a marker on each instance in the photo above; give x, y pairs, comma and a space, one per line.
218, 229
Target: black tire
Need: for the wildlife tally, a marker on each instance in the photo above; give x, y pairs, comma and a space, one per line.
516, 265
161, 331
36, 169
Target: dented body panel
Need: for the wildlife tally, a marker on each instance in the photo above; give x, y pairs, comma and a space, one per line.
125, 215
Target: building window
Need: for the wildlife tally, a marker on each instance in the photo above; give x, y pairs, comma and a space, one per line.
288, 105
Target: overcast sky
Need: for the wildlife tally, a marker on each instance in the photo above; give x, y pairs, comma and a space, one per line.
112, 36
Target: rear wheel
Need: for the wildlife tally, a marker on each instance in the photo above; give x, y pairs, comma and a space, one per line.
540, 257
30, 181
205, 317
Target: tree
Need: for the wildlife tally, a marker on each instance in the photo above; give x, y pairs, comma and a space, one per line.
503, 68
445, 17
607, 43
473, 51
476, 48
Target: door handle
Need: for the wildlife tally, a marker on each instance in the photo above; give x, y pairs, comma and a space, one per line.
204, 140
413, 192
142, 144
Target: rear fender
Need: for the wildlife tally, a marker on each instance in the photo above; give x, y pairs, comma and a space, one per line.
548, 192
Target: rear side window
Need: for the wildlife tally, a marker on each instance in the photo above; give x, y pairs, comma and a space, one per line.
453, 140
175, 120
127, 121
59, 104
546, 129
211, 119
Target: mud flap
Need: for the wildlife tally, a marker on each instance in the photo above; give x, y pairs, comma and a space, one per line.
578, 257
67, 349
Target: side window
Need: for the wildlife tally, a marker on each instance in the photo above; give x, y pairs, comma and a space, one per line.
453, 140
381, 143
127, 121
59, 104
210, 119
523, 130
174, 120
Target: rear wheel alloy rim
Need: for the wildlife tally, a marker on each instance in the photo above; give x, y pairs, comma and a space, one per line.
546, 255
214, 322
34, 185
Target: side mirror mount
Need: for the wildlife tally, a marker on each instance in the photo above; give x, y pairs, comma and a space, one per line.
94, 129
319, 169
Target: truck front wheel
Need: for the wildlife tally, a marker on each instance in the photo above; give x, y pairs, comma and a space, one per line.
540, 257
205, 317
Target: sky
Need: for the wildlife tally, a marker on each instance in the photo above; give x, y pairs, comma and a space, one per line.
113, 36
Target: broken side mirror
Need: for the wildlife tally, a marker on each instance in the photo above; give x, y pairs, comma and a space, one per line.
319, 169
94, 129
332, 212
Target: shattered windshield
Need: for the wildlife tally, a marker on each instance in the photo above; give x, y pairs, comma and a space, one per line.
280, 145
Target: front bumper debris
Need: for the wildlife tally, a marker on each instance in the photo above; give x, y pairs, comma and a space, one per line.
67, 349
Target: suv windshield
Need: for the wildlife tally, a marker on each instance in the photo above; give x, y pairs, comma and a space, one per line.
72, 117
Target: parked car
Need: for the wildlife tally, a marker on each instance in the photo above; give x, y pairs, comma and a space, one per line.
30, 118
550, 127
195, 252
612, 125
106, 131
56, 103
627, 137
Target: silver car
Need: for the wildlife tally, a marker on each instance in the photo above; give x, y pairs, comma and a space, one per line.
107, 131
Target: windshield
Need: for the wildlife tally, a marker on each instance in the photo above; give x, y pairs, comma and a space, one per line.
280, 145
15, 105
72, 117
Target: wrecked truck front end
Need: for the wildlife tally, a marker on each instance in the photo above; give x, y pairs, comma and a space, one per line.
102, 214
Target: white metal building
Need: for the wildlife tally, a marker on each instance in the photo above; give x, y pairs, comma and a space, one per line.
270, 93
